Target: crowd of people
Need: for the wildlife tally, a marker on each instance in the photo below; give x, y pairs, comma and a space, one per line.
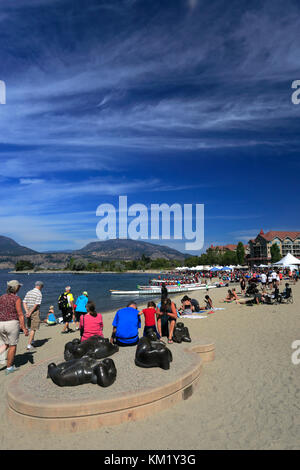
262, 287
17, 315
230, 275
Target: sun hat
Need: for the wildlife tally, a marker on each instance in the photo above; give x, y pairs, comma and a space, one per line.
13, 283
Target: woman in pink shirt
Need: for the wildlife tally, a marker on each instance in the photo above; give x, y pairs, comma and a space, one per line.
91, 323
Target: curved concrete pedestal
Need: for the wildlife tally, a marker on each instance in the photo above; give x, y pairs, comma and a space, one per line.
34, 402
205, 349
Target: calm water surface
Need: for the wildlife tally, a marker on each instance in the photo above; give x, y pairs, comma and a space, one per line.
97, 285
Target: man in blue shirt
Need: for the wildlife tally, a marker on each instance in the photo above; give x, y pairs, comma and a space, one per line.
126, 326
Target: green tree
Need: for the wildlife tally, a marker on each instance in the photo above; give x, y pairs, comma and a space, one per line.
240, 253
275, 253
145, 259
229, 257
91, 266
70, 264
24, 265
192, 261
203, 259
80, 265
160, 263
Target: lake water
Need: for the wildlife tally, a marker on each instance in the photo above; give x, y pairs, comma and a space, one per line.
97, 285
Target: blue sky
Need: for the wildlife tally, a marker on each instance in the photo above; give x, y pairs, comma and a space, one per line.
186, 101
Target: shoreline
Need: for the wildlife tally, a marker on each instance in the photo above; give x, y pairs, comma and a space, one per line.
49, 271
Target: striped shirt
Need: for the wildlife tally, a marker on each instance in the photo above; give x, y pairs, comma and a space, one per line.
33, 297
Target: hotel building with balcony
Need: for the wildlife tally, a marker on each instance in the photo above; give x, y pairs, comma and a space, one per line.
260, 247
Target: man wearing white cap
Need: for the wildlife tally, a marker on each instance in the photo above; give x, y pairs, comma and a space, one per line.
66, 305
32, 303
11, 320
80, 309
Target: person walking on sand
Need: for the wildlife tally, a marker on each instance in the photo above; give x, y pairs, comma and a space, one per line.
32, 303
243, 285
80, 309
11, 320
66, 305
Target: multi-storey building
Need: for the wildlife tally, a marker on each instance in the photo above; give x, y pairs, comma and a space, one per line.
260, 247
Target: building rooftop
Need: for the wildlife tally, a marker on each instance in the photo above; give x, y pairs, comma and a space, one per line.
281, 234
229, 247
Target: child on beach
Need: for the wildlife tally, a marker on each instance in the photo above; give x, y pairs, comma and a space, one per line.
150, 318
231, 296
209, 304
51, 319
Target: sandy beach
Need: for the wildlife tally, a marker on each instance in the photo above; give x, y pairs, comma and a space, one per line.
248, 397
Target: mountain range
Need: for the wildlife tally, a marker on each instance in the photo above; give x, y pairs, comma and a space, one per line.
109, 250
8, 247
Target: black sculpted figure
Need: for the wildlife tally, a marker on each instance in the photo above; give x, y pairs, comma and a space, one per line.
152, 354
150, 333
83, 371
181, 333
96, 347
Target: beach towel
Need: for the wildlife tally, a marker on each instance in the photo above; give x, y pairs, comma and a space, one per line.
195, 315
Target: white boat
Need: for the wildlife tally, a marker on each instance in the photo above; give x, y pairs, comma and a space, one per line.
158, 291
172, 286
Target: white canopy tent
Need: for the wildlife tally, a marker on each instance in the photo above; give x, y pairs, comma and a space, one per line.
193, 268
226, 268
288, 261
197, 268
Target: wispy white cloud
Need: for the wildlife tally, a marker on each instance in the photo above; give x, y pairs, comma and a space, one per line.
30, 181
82, 102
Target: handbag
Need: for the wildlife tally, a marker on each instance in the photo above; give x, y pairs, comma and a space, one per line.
82, 327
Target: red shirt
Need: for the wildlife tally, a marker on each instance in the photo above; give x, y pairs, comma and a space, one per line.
8, 309
149, 316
